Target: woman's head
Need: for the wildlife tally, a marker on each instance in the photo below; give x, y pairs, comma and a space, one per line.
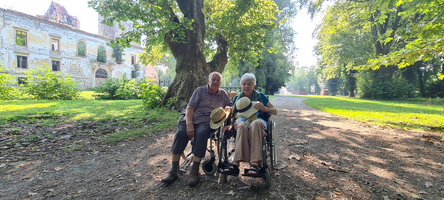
248, 83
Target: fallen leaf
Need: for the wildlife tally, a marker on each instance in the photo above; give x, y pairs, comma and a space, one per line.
428, 184
231, 192
58, 168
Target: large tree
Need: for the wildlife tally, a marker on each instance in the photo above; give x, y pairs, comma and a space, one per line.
192, 30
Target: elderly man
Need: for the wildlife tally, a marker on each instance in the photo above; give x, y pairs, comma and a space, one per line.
197, 125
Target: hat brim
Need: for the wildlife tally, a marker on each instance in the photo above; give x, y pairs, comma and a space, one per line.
249, 112
217, 125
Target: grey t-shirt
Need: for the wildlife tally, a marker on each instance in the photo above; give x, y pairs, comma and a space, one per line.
204, 103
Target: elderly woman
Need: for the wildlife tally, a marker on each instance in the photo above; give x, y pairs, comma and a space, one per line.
248, 110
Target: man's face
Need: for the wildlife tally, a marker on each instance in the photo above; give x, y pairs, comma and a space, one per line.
215, 81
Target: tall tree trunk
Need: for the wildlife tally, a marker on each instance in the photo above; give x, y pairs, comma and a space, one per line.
420, 79
191, 68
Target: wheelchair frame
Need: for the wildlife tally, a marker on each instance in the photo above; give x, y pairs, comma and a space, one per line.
268, 153
226, 155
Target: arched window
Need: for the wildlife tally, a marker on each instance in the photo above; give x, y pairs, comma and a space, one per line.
101, 55
81, 49
101, 73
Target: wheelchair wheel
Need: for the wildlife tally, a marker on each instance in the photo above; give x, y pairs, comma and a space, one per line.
267, 178
209, 167
272, 145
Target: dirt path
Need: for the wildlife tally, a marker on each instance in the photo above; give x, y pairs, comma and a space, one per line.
321, 156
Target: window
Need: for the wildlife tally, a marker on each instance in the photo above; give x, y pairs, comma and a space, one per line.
54, 44
21, 80
81, 49
21, 38
22, 62
55, 65
101, 55
133, 60
101, 73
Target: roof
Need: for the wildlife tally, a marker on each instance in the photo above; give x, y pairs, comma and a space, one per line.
150, 71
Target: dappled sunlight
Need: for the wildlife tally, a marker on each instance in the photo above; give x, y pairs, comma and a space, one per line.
381, 172
16, 107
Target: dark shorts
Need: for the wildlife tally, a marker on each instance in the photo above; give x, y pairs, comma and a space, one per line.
201, 135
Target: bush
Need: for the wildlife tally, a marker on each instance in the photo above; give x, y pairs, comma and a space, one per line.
6, 90
118, 89
151, 94
382, 87
42, 83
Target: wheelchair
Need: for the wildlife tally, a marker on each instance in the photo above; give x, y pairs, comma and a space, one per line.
226, 150
209, 165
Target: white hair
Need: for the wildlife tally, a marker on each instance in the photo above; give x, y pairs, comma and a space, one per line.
212, 74
248, 76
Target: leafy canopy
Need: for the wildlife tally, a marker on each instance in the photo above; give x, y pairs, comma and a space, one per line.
241, 23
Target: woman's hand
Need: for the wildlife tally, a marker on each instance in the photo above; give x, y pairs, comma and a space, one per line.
259, 106
190, 130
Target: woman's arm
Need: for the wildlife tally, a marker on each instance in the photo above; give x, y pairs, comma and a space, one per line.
269, 108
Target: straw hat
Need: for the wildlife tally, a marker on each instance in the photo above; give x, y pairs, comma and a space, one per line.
218, 117
245, 107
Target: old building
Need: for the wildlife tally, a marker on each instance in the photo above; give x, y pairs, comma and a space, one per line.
54, 39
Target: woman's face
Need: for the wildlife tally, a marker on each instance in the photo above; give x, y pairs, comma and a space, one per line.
247, 87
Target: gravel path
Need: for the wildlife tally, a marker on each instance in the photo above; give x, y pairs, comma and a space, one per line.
321, 156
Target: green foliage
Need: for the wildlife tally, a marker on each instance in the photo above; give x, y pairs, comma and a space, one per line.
6, 80
117, 52
118, 89
42, 83
101, 55
152, 95
272, 71
136, 72
379, 86
304, 78
241, 23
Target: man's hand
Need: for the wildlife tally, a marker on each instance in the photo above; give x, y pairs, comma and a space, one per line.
190, 130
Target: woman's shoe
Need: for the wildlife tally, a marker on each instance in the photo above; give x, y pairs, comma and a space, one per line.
232, 170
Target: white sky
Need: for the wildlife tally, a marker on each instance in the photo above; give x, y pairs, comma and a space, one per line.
89, 22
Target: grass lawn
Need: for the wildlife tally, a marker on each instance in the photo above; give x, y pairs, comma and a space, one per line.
129, 114
418, 114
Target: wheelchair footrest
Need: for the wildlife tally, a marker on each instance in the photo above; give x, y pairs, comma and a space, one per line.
252, 175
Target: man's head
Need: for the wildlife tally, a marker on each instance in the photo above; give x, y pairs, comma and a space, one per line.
214, 81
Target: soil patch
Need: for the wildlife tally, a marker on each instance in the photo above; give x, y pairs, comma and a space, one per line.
320, 156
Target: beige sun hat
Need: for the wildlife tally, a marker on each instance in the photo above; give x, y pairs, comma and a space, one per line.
245, 107
218, 117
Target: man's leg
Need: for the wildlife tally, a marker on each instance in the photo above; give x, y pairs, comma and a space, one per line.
179, 144
201, 135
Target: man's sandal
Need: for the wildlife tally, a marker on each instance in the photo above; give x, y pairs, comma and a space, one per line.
253, 171
231, 169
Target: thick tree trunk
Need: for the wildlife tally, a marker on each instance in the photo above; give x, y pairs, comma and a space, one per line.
191, 68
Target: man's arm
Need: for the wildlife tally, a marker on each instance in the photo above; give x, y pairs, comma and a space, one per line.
189, 121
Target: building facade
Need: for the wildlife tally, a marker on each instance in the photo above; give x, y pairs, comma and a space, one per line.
27, 42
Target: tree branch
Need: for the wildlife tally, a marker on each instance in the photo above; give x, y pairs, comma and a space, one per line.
221, 58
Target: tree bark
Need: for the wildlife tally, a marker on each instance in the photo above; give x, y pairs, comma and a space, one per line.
192, 70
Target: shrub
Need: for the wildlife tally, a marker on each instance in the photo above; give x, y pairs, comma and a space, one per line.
42, 83
151, 94
6, 90
382, 87
116, 88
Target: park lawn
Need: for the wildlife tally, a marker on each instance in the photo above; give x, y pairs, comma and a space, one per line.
417, 114
129, 114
